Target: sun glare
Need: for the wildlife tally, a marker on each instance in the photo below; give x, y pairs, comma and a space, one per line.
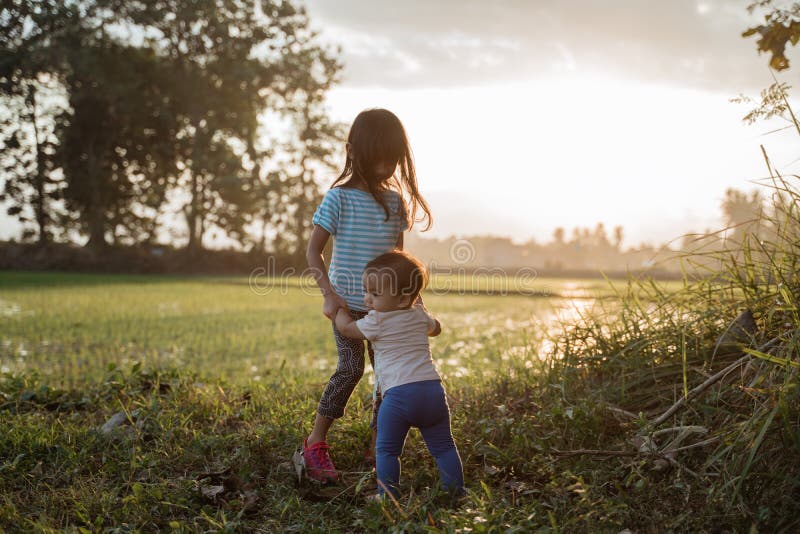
521, 159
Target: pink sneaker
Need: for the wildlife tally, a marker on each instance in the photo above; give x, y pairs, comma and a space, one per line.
318, 462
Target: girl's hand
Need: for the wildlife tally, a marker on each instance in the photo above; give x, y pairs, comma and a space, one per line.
332, 304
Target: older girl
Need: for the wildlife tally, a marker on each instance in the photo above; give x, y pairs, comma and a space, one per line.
366, 211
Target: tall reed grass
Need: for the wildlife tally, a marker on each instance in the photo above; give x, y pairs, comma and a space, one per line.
706, 377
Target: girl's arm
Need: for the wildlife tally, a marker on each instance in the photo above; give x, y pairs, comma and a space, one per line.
346, 325
316, 244
399, 244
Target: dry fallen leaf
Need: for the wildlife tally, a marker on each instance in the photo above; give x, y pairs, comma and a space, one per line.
211, 492
250, 501
114, 421
516, 485
490, 470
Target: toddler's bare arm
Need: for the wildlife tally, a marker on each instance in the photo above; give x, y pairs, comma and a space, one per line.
436, 329
346, 325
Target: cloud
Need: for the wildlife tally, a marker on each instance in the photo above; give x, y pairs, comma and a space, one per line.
447, 43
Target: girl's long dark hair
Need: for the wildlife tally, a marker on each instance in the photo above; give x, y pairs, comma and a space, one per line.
377, 137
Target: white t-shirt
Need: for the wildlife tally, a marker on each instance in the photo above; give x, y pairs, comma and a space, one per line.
402, 351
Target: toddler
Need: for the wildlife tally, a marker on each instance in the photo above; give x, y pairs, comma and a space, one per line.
398, 325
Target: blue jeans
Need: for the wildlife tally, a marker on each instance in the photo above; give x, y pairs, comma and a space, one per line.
422, 405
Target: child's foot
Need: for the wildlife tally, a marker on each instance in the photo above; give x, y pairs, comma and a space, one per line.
318, 464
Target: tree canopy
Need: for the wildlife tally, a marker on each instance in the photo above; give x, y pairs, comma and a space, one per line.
207, 105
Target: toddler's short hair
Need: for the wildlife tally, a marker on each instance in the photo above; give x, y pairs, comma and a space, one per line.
404, 274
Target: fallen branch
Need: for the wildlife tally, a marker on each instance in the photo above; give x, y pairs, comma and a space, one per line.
620, 411
682, 429
595, 452
666, 453
693, 445
711, 381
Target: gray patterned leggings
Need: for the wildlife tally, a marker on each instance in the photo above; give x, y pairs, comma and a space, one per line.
349, 370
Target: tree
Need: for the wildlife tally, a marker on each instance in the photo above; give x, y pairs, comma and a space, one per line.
27, 162
781, 27
619, 235
115, 140
600, 238
290, 193
102, 138
741, 212
167, 96
558, 236
29, 68
230, 60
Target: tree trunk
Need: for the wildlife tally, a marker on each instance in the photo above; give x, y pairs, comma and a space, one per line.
194, 216
97, 228
264, 224
39, 203
95, 218
201, 215
192, 212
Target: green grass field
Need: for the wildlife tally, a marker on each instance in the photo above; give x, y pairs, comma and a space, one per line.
79, 336
215, 382
71, 326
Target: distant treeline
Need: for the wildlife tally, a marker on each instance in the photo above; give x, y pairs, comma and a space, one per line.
585, 253
593, 249
139, 259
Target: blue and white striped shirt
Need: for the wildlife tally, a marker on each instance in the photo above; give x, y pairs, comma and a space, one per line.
360, 233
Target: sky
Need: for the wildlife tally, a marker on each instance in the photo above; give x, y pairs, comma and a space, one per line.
528, 115
525, 116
